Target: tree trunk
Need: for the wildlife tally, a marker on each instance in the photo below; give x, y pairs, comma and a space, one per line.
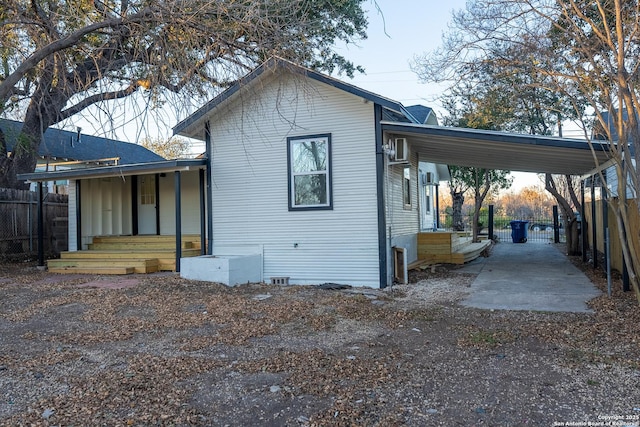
457, 202
572, 235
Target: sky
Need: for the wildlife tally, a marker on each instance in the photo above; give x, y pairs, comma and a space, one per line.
397, 32
402, 30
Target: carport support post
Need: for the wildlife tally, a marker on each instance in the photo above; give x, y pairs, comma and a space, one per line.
594, 231
605, 226
40, 226
490, 222
556, 225
178, 221
583, 229
438, 207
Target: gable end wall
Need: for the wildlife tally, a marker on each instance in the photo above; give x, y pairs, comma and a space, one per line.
250, 202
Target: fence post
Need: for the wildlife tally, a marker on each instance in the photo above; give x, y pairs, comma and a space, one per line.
40, 226
30, 221
490, 220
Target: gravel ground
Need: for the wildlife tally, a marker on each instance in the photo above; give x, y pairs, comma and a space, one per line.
160, 350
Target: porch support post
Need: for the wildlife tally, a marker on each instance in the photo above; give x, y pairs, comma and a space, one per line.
40, 226
380, 171
438, 206
594, 230
203, 213
134, 205
583, 222
78, 215
157, 196
178, 220
209, 169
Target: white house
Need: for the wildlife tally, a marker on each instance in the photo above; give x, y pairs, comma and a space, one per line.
304, 175
306, 180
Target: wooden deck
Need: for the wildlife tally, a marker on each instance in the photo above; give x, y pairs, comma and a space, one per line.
126, 255
449, 247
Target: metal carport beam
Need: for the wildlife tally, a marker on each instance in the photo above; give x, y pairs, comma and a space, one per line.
500, 150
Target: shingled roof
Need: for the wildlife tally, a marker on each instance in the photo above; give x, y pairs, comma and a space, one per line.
65, 145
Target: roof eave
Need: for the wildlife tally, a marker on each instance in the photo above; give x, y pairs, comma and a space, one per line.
190, 125
117, 170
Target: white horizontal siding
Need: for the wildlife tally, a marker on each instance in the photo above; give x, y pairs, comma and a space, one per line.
402, 221
250, 202
612, 183
105, 207
190, 202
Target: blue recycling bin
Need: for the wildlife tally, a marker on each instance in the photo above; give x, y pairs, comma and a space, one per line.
519, 231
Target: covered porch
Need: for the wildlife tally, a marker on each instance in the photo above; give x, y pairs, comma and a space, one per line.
137, 218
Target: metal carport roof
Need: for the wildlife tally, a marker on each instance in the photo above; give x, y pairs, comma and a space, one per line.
500, 150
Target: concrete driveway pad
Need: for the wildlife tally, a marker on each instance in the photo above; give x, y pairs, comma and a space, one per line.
529, 276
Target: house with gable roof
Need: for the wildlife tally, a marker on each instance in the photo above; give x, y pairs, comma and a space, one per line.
303, 176
306, 180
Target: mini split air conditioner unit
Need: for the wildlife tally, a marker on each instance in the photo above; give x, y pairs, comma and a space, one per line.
400, 150
427, 178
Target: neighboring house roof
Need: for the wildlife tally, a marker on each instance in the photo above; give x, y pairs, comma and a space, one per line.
192, 125
423, 114
600, 133
62, 144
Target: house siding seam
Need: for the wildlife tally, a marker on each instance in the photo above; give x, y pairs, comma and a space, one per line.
249, 157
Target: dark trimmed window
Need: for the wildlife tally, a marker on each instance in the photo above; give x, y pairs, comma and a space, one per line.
406, 187
309, 166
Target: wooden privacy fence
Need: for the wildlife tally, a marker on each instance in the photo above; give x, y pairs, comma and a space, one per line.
615, 247
19, 222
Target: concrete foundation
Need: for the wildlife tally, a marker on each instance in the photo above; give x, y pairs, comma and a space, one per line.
230, 270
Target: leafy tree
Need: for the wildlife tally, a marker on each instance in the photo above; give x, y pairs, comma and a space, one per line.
478, 107
60, 57
172, 148
582, 50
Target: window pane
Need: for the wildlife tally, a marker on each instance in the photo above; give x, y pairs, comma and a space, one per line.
406, 186
309, 156
310, 189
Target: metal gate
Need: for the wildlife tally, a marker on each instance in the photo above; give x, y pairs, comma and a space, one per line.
540, 228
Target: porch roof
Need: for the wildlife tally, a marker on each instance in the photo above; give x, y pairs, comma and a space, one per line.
501, 150
165, 166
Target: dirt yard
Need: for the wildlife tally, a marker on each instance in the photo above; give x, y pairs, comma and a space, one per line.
159, 350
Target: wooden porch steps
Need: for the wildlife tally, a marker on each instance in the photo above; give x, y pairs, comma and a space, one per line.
449, 247
126, 255
138, 265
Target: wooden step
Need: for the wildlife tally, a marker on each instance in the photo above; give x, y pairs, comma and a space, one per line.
128, 254
93, 270
138, 245
139, 265
144, 238
470, 252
